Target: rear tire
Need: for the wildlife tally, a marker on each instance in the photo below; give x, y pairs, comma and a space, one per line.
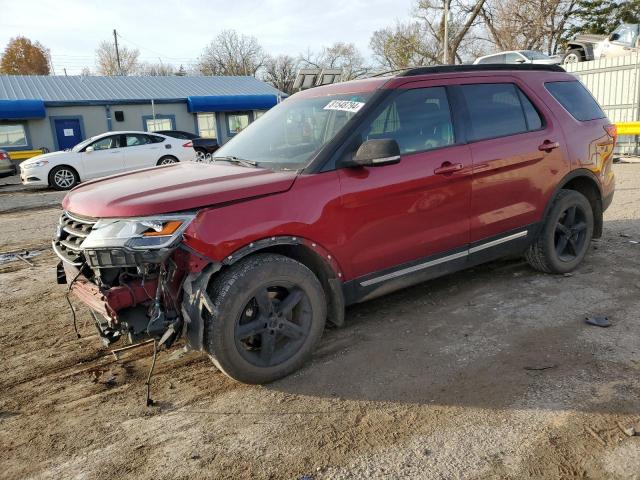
270, 311
565, 236
201, 154
167, 160
63, 177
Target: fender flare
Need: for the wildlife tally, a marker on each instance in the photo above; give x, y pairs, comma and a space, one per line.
195, 298
586, 47
284, 240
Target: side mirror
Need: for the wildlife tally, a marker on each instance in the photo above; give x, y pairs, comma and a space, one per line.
88, 149
376, 153
520, 60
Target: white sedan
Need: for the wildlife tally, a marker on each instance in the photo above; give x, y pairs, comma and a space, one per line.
519, 57
106, 154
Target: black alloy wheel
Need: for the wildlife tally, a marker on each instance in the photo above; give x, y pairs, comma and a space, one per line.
267, 314
571, 233
273, 325
564, 237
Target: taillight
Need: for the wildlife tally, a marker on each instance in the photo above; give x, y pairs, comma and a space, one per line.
189, 144
4, 156
611, 130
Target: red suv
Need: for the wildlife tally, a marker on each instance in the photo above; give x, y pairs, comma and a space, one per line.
337, 195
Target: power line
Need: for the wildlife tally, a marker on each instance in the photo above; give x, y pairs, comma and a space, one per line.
153, 51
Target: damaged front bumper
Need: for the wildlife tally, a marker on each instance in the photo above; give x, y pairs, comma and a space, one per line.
106, 302
129, 272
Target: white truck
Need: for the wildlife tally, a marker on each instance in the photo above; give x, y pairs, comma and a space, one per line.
622, 41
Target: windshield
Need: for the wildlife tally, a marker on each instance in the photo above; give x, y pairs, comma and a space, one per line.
82, 144
289, 135
533, 55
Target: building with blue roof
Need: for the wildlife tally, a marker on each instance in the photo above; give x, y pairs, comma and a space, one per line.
57, 112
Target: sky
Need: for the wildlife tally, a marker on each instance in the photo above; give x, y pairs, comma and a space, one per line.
177, 32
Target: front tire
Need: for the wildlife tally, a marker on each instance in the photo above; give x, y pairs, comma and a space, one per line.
270, 312
572, 56
565, 236
63, 177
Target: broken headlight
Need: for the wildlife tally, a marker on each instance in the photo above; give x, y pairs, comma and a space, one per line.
144, 233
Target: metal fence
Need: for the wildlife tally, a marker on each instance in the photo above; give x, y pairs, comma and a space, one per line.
615, 82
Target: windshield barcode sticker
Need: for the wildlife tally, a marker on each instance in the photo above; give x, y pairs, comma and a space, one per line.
344, 105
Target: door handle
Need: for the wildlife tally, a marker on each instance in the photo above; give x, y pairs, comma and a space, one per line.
548, 145
447, 168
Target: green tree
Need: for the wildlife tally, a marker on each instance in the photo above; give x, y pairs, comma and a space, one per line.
603, 16
24, 57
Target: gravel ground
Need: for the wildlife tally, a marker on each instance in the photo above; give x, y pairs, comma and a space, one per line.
16, 197
488, 373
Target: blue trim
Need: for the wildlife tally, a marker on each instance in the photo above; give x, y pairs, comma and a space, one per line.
195, 124
27, 134
107, 110
159, 116
230, 103
21, 109
220, 119
65, 117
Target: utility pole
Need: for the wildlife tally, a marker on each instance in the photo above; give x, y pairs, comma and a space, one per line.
445, 55
115, 37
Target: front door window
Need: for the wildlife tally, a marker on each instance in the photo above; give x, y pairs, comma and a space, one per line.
106, 143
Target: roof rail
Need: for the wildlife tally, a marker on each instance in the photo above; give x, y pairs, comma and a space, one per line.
480, 68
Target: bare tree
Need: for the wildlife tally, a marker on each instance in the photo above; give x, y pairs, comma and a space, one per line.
157, 69
280, 71
339, 55
232, 54
527, 24
107, 60
464, 18
421, 42
402, 46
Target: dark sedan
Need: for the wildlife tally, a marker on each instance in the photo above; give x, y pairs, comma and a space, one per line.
200, 144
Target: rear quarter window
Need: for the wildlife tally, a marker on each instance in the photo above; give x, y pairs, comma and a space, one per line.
576, 100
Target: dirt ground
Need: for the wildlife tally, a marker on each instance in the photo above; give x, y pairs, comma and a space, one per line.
490, 373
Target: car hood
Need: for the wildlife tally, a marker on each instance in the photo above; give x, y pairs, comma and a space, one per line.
51, 157
172, 188
589, 37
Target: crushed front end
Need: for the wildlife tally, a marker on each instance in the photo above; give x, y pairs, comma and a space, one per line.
128, 271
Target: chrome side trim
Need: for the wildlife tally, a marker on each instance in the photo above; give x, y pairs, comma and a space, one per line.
415, 268
498, 241
448, 258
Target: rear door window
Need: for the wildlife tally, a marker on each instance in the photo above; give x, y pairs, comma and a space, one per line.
135, 140
501, 58
513, 57
576, 100
498, 110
